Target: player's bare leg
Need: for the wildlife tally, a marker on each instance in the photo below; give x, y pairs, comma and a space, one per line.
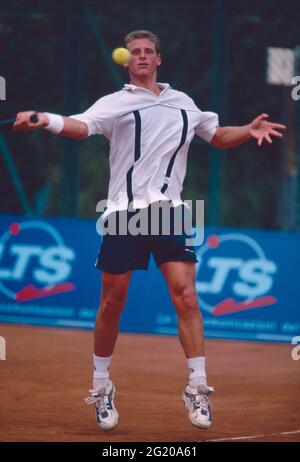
113, 297
181, 280
112, 301
180, 277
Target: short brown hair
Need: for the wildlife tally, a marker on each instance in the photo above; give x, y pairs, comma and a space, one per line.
137, 34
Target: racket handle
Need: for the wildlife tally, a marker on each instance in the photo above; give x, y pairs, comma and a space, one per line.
7, 121
34, 118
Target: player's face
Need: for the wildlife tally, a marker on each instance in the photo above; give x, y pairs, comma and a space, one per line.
144, 59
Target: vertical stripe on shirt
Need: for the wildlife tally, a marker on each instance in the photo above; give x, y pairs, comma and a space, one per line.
137, 154
182, 141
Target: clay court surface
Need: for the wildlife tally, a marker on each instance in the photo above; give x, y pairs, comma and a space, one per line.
47, 374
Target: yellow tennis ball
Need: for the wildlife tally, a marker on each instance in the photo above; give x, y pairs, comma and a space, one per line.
121, 55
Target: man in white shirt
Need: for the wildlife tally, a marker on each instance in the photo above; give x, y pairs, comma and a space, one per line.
150, 127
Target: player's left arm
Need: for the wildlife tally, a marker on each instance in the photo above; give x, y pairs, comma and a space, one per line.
260, 129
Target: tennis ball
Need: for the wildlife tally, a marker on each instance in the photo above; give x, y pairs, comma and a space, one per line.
121, 55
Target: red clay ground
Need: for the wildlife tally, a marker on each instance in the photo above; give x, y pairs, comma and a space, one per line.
47, 375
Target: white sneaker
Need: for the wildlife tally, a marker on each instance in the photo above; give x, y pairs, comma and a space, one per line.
198, 405
106, 414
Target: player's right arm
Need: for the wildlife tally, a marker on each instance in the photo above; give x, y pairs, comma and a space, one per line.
71, 128
96, 120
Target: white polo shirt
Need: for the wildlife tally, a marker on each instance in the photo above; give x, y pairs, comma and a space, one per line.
149, 139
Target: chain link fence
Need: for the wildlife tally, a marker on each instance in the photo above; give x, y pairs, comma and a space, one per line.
214, 51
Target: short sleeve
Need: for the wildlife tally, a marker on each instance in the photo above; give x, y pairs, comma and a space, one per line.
209, 122
99, 117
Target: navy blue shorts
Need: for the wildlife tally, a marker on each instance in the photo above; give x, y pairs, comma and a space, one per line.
121, 253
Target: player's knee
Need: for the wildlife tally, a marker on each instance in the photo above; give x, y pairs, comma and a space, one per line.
109, 310
186, 300
112, 303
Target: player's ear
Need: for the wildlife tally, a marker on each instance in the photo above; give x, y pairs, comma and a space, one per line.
158, 59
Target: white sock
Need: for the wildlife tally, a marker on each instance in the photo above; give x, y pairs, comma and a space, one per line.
101, 371
197, 374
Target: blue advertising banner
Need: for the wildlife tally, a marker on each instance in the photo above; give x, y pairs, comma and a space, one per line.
247, 281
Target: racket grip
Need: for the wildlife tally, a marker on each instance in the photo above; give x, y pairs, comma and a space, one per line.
34, 118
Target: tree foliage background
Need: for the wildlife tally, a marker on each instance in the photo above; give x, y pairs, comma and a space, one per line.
32, 38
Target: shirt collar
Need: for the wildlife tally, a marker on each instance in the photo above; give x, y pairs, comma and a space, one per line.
130, 86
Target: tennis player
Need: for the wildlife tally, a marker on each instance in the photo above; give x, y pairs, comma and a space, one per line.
150, 127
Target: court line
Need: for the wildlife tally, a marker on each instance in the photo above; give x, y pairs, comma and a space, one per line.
253, 436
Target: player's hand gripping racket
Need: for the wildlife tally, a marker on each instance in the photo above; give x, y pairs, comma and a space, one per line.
34, 118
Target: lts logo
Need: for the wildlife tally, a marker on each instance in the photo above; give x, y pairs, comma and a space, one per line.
234, 275
34, 251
